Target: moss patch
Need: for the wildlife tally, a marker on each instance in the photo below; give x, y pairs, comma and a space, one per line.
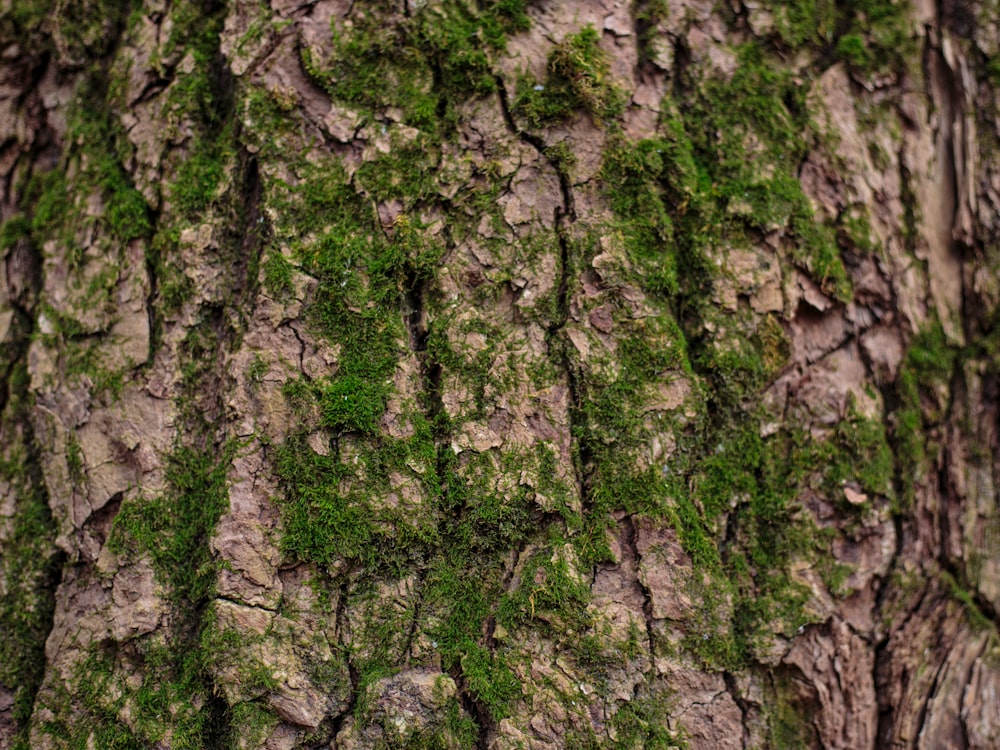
579, 79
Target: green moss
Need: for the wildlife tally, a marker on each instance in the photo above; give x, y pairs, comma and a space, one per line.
28, 574
14, 229
48, 193
419, 64
353, 404
756, 483
802, 22
456, 731
459, 595
493, 515
98, 137
278, 276
854, 231
927, 366
490, 680
407, 171
362, 274
165, 706
579, 79
254, 723
637, 723
976, 617
198, 176
174, 528
334, 508
233, 648
257, 369
789, 721
474, 369
657, 193
863, 454
993, 70
761, 102
22, 17
878, 38
871, 36
552, 594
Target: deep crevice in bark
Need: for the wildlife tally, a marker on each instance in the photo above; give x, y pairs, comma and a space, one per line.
558, 346
647, 604
353, 675
24, 278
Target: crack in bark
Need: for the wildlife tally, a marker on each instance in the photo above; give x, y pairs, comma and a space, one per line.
353, 675
744, 705
241, 603
647, 604
928, 696
564, 215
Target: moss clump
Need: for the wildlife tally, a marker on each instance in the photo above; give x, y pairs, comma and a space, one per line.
798, 23
174, 528
494, 516
878, 37
100, 147
579, 79
278, 275
352, 404
335, 506
854, 231
764, 104
197, 178
459, 595
420, 63
407, 172
612, 420
23, 19
637, 723
871, 36
97, 169
654, 182
552, 593
164, 707
929, 363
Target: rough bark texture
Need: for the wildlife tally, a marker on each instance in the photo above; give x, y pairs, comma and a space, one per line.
499, 374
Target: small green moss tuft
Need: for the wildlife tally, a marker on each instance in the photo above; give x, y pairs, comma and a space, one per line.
878, 37
277, 276
14, 229
198, 177
579, 79
353, 404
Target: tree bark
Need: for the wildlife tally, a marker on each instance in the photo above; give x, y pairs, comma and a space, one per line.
499, 374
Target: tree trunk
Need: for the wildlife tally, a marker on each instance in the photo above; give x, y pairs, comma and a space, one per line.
499, 374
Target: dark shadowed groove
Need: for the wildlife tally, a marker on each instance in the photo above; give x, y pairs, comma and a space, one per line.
565, 215
740, 702
647, 599
15, 393
352, 671
486, 727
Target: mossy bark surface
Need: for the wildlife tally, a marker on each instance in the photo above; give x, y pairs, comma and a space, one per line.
499, 374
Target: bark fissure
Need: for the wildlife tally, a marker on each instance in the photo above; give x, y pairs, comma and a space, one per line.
647, 605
